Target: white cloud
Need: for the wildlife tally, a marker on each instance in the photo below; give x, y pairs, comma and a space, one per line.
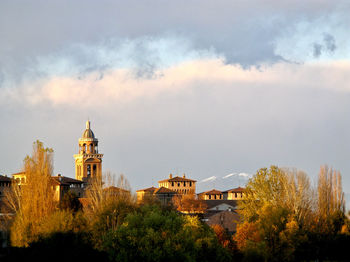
121, 86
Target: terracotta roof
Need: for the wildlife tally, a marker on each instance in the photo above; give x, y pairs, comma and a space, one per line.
177, 179
226, 219
66, 180
4, 179
236, 190
163, 190
19, 173
211, 192
150, 189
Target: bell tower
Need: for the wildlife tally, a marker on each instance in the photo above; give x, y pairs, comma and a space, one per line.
88, 162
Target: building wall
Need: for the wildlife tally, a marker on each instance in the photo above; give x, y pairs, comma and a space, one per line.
181, 187
235, 196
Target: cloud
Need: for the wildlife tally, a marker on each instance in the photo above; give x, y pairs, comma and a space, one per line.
329, 41
120, 85
317, 50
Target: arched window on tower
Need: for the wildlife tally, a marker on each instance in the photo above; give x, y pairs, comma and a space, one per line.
88, 170
94, 169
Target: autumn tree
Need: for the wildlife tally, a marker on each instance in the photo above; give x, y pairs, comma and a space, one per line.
189, 204
33, 201
108, 203
330, 200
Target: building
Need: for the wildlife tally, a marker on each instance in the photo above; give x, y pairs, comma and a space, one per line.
211, 195
19, 178
62, 185
88, 162
181, 185
5, 184
234, 194
145, 193
227, 219
163, 194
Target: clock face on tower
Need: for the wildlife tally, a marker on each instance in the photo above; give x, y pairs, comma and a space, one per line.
88, 162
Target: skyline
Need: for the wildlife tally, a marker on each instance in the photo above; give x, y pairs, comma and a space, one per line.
204, 89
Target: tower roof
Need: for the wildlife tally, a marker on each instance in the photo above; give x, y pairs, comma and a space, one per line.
88, 134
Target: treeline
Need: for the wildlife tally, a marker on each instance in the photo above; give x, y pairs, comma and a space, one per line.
284, 218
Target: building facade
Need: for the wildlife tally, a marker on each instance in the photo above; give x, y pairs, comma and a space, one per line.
181, 185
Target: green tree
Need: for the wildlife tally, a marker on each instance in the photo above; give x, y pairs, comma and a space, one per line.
155, 234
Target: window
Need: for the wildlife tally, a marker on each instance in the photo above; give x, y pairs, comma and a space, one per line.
190, 184
88, 170
172, 183
178, 184
94, 170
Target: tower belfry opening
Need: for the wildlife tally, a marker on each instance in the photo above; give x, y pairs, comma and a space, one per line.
88, 162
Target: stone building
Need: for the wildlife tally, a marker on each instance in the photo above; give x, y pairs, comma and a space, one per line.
163, 194
181, 185
62, 185
234, 194
211, 195
88, 161
20, 178
5, 184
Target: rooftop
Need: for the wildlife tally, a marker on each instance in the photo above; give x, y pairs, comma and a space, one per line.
235, 190
211, 192
177, 179
66, 180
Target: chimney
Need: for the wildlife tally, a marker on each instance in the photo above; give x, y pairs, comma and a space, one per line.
184, 176
171, 176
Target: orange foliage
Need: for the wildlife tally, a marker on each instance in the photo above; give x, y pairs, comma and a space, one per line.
247, 231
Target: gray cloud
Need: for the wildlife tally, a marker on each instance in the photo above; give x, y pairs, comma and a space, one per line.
317, 50
243, 32
329, 41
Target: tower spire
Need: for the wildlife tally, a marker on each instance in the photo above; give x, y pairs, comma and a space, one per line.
88, 161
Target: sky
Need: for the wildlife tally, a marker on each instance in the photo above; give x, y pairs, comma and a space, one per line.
205, 88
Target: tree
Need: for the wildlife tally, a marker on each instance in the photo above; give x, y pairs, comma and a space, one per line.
330, 200
277, 201
33, 201
188, 204
155, 234
107, 205
70, 202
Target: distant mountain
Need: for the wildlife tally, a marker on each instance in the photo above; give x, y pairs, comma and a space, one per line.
226, 182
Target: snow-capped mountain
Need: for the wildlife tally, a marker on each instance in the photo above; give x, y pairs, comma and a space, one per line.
223, 183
